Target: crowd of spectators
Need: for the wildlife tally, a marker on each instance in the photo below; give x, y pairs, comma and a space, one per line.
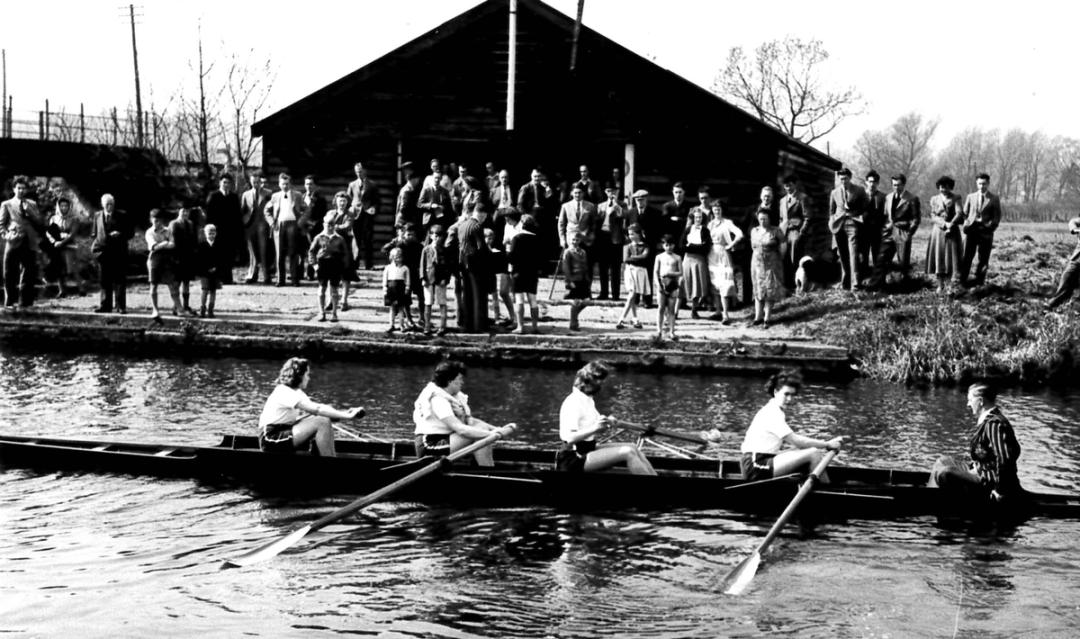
493, 241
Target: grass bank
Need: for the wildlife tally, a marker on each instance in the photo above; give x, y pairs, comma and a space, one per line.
998, 331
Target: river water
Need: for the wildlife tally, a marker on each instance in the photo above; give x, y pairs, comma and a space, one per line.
92, 555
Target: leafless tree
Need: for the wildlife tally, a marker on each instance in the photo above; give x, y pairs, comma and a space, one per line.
783, 85
903, 147
249, 81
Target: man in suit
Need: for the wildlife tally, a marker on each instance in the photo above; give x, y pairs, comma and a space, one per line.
315, 209
109, 245
589, 186
873, 222
503, 200
474, 260
794, 214
256, 232
610, 237
223, 211
22, 228
364, 200
283, 214
902, 215
982, 214
434, 204
1070, 277
577, 216
491, 180
458, 188
674, 215
408, 197
847, 203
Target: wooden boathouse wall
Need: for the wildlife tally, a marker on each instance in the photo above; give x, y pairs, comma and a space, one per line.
444, 95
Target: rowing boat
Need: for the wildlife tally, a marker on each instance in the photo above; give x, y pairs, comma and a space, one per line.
521, 476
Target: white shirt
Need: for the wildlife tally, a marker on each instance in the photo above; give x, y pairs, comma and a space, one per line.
285, 209
578, 412
434, 405
281, 406
768, 430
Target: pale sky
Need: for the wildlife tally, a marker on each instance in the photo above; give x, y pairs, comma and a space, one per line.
971, 63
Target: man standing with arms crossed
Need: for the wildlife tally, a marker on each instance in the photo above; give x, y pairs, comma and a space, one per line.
982, 214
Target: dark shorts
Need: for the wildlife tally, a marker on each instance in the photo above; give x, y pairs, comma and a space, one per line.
581, 291
432, 445
329, 272
756, 466
277, 438
572, 458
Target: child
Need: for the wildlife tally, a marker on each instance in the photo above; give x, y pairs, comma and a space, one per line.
410, 251
576, 272
523, 256
436, 275
667, 279
500, 270
396, 286
636, 256
159, 263
210, 258
183, 233
330, 257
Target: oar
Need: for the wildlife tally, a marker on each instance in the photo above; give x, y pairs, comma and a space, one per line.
274, 548
651, 430
738, 579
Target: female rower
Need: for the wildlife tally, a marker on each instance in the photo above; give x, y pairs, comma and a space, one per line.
761, 454
579, 422
444, 422
290, 420
993, 449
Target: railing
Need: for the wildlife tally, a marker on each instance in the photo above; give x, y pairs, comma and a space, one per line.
78, 127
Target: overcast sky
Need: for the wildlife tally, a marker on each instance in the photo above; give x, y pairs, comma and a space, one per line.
988, 64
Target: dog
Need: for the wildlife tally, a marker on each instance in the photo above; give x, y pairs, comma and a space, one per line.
804, 283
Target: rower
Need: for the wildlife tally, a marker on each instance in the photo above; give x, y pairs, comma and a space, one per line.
762, 457
444, 422
993, 449
283, 424
579, 422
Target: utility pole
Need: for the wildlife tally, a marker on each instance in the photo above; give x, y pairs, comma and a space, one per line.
139, 139
3, 127
577, 35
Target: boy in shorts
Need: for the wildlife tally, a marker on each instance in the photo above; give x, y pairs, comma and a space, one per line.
329, 254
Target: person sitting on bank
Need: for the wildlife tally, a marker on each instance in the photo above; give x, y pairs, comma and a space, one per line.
762, 457
1070, 276
993, 449
444, 422
291, 421
580, 421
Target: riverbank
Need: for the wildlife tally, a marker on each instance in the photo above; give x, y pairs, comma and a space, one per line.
255, 320
1000, 331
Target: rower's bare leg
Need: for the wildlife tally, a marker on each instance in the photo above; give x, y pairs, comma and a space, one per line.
484, 456
318, 427
802, 460
607, 456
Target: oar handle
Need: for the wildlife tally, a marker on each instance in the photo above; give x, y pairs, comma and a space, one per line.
808, 485
433, 467
652, 430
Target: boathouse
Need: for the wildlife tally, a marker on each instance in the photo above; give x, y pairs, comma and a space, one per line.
495, 84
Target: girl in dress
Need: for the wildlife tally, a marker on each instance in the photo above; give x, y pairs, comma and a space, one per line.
159, 263
943, 250
395, 282
667, 279
696, 244
725, 237
636, 256
524, 257
766, 267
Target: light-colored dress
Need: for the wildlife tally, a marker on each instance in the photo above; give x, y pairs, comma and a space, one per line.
943, 249
635, 269
766, 264
721, 270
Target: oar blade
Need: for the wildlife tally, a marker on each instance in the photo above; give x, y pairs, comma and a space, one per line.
267, 551
738, 579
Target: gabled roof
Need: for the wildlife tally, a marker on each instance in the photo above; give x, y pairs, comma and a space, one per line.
443, 32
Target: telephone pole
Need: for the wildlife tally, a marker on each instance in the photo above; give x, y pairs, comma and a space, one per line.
139, 138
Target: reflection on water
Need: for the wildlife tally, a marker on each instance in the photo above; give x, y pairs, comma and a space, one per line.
140, 556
